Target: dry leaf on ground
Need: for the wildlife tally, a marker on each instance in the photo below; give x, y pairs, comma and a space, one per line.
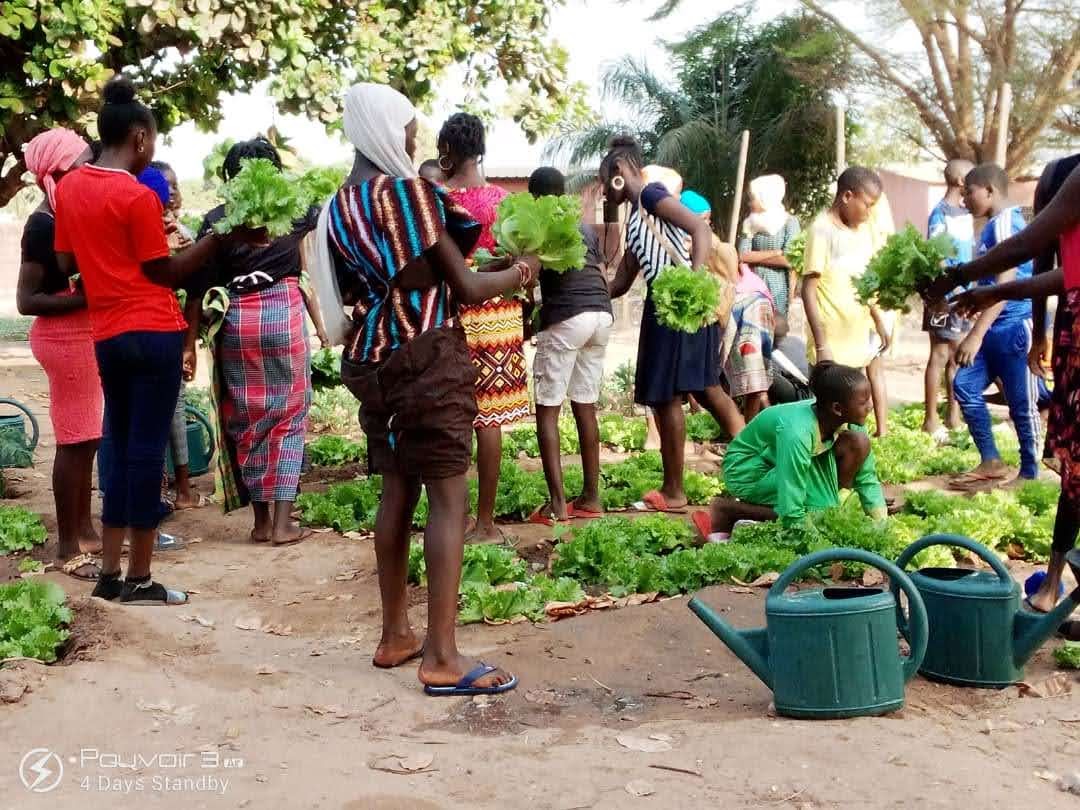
403, 765
643, 744
195, 619
639, 788
1056, 685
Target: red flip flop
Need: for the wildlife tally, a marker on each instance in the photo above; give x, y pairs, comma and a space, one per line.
703, 523
656, 501
541, 519
588, 514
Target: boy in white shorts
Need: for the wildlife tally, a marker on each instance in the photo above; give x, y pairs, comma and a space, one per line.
575, 325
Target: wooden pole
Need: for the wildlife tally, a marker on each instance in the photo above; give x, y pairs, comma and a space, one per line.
1001, 153
740, 178
841, 140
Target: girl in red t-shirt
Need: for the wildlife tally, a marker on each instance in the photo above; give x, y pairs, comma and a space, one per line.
111, 227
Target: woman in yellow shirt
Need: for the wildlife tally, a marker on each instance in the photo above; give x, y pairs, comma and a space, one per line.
839, 245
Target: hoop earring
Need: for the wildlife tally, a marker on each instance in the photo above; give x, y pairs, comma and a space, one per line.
618, 183
445, 164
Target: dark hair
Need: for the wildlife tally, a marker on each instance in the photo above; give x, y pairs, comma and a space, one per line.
622, 147
547, 181
856, 179
96, 148
121, 112
161, 166
831, 382
463, 136
247, 150
989, 175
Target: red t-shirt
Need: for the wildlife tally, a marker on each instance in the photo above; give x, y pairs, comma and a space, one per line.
113, 224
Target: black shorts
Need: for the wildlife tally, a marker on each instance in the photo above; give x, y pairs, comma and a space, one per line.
947, 326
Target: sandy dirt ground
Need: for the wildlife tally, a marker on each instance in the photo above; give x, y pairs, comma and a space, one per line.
181, 708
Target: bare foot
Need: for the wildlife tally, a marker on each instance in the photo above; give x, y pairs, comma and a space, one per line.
675, 500
90, 545
554, 510
397, 650
292, 534
484, 533
448, 673
1044, 600
188, 501
583, 504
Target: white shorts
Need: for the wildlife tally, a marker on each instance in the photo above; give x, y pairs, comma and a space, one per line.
569, 359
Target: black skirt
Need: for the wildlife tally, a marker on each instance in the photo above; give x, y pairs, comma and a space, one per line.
672, 363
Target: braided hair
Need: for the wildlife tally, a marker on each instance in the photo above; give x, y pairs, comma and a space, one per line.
258, 147
833, 383
461, 138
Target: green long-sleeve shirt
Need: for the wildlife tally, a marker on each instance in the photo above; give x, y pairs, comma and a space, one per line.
781, 460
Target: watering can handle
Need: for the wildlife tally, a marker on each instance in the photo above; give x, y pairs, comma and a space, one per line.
978, 549
36, 431
917, 637
200, 417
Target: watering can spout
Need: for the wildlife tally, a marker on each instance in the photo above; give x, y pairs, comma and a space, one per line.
1031, 629
752, 646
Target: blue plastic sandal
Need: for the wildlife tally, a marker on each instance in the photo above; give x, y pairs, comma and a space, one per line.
465, 688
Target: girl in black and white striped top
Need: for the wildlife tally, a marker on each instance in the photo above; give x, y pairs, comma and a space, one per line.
670, 364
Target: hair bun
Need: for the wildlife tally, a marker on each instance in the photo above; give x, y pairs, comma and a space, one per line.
119, 90
623, 142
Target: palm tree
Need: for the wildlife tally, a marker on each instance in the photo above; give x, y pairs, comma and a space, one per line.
775, 80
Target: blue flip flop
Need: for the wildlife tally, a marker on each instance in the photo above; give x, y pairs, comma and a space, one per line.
465, 688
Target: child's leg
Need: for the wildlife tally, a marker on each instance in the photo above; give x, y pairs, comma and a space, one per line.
851, 449
726, 512
875, 373
969, 385
588, 430
488, 460
392, 522
952, 413
935, 368
652, 434
723, 409
547, 434
1007, 353
671, 423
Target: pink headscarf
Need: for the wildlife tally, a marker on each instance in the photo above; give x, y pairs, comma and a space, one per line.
51, 152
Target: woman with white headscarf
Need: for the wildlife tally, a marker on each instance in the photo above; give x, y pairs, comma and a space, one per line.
397, 244
767, 232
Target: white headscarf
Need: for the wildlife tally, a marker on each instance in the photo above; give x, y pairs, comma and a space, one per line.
769, 190
669, 178
375, 119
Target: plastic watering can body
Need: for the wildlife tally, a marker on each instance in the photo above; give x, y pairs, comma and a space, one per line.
832, 652
980, 635
200, 441
18, 447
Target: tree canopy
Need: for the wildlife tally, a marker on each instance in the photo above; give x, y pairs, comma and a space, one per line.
774, 79
55, 56
968, 50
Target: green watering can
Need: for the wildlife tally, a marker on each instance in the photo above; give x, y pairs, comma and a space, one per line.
16, 449
200, 441
979, 633
830, 652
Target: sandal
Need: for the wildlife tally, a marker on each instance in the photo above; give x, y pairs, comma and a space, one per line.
109, 587
151, 593
465, 687
200, 502
73, 567
654, 501
540, 519
573, 511
292, 541
974, 480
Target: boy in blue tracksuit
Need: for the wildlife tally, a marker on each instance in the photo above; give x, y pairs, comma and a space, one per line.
998, 343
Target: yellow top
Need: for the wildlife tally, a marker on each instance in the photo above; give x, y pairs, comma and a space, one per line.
837, 254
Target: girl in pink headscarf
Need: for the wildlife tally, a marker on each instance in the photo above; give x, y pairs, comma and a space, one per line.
61, 342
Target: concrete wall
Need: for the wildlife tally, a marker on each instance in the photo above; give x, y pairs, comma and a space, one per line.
912, 199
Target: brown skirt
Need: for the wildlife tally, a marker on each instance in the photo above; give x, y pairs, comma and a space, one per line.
417, 407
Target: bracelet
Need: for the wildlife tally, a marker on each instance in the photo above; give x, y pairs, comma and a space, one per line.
523, 272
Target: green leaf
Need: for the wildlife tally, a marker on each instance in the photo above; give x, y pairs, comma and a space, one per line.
20, 529
686, 300
547, 227
33, 619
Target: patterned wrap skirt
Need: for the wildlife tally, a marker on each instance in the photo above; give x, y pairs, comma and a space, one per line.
748, 343
493, 331
1063, 426
265, 375
64, 347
